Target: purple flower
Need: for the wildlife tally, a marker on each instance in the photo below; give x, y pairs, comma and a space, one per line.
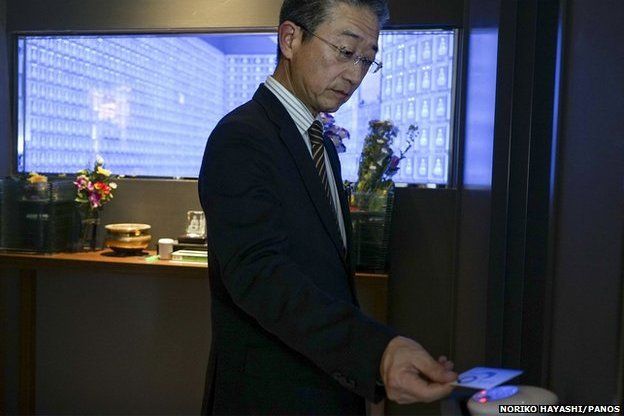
393, 166
340, 147
343, 133
327, 119
94, 199
81, 182
394, 162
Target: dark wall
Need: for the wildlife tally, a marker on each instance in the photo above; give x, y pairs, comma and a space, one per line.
589, 205
426, 12
421, 303
161, 203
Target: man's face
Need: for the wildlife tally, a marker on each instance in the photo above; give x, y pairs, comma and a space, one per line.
319, 77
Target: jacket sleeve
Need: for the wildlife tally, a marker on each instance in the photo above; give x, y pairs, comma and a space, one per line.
249, 239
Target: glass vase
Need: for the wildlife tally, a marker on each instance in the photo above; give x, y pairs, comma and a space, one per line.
370, 217
90, 222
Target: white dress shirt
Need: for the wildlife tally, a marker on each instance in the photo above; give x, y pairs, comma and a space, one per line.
303, 119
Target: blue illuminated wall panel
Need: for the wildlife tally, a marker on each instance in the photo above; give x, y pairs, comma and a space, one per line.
147, 103
244, 74
415, 86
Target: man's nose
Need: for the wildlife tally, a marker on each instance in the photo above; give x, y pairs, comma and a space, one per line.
354, 73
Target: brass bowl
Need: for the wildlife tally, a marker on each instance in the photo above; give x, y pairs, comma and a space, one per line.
127, 237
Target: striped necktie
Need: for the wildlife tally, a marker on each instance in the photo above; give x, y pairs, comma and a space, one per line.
318, 155
315, 132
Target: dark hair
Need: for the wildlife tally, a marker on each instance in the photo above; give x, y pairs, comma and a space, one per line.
311, 13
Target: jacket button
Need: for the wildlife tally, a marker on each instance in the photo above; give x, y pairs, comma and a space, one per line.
337, 376
344, 381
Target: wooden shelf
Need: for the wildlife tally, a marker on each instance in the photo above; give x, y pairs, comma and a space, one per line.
103, 260
106, 260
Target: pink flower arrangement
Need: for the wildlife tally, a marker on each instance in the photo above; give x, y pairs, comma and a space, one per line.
94, 188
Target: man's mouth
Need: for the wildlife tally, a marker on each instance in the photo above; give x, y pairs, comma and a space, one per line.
342, 94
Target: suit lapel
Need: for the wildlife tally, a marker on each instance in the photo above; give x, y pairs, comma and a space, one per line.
294, 142
346, 214
344, 203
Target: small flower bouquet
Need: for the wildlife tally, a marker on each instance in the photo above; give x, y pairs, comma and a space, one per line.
378, 163
36, 187
94, 189
34, 177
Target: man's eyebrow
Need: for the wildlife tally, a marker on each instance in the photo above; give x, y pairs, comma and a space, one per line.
347, 32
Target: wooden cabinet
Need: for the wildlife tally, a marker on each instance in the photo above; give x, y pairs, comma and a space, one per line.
372, 292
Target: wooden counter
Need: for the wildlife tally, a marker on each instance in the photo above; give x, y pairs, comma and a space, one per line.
106, 260
372, 289
103, 260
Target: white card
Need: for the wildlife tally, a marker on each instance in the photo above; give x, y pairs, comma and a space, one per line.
484, 378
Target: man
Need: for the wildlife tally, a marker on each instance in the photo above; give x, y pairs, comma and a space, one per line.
288, 334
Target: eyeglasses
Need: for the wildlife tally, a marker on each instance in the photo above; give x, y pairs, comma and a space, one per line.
345, 55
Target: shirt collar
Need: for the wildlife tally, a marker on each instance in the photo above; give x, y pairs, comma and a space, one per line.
294, 106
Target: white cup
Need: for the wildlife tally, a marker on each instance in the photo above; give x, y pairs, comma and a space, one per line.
165, 248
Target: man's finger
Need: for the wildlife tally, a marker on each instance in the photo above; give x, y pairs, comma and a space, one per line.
419, 389
448, 365
437, 372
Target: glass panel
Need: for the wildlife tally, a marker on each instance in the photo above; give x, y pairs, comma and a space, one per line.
415, 86
147, 103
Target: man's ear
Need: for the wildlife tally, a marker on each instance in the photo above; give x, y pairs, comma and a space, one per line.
289, 38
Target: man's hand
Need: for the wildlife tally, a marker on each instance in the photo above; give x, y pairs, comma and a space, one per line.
411, 375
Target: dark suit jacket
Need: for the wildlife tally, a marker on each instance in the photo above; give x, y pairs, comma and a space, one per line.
288, 334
